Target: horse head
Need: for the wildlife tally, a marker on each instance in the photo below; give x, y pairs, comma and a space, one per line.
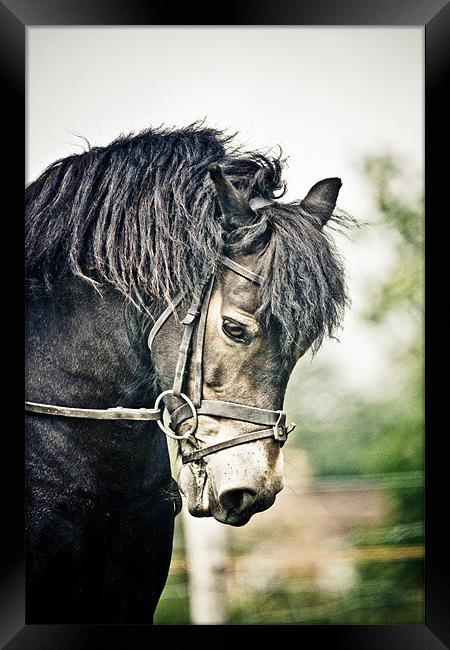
231, 369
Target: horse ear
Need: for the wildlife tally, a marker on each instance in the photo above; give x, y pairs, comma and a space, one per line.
235, 209
322, 197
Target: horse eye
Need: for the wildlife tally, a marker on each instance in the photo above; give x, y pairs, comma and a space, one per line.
233, 330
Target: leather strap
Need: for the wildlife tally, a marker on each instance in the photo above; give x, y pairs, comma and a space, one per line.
183, 353
232, 442
162, 319
240, 270
189, 322
197, 360
116, 413
231, 410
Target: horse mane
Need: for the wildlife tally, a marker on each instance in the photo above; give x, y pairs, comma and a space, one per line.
141, 214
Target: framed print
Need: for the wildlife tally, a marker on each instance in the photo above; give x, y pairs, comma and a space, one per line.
230, 228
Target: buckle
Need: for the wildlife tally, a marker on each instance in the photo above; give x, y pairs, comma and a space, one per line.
279, 429
189, 318
167, 430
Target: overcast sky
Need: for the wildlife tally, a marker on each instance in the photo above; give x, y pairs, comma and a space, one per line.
326, 95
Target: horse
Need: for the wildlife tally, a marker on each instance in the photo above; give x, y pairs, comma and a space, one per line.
160, 268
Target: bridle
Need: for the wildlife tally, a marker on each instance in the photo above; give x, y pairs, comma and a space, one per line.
274, 422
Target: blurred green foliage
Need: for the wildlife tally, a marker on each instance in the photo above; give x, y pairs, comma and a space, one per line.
355, 435
351, 433
377, 599
404, 289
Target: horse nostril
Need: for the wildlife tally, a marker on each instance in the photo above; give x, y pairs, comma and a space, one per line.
237, 500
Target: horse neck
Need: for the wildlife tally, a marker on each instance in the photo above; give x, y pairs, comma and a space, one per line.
78, 343
79, 353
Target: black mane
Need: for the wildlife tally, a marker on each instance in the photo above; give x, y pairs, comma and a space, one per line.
141, 214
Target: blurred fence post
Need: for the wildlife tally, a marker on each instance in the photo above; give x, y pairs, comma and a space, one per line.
206, 556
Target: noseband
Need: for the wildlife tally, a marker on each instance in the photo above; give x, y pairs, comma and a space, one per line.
274, 422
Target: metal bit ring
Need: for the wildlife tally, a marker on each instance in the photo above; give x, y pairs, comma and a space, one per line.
167, 430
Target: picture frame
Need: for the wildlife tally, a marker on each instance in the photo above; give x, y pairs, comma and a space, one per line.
434, 16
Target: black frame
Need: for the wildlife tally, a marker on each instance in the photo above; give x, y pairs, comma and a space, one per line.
434, 15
